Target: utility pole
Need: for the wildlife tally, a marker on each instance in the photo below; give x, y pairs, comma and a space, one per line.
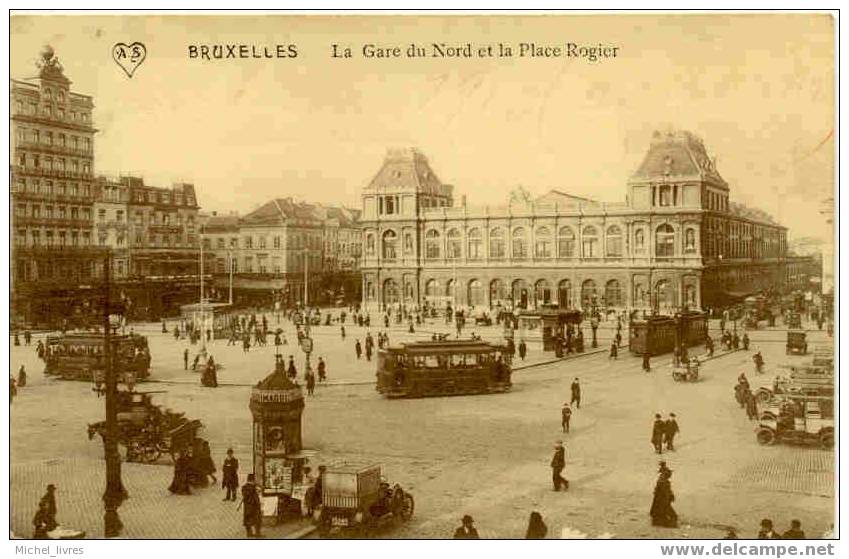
115, 493
202, 315
306, 278
230, 260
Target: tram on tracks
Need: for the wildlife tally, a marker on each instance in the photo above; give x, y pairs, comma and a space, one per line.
79, 356
658, 334
443, 368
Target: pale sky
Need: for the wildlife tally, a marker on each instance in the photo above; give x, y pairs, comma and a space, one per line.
759, 89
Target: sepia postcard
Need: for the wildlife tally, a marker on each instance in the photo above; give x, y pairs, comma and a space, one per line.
423, 276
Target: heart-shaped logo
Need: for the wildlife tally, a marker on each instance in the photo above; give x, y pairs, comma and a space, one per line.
129, 57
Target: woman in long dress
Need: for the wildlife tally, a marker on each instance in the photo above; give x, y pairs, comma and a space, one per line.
662, 513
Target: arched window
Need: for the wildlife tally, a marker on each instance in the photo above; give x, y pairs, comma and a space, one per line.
370, 291
640, 295
690, 240
565, 243
390, 245
475, 249
589, 242
520, 294
690, 295
639, 240
475, 294
542, 248
564, 294
520, 244
370, 244
450, 289
432, 244
665, 241
408, 291
497, 293
391, 295
589, 294
454, 250
432, 288
613, 294
496, 243
542, 292
663, 294
614, 241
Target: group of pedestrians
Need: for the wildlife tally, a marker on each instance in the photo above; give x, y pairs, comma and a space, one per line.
537, 530
663, 432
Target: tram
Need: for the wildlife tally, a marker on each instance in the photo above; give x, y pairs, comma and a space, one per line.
656, 335
79, 356
443, 368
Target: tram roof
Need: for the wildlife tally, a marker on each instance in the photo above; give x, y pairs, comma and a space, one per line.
92, 337
446, 346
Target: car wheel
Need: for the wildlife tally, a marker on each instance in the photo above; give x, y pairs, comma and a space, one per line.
765, 436
408, 505
827, 440
764, 396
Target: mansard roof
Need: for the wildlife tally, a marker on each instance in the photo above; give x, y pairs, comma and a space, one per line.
678, 155
407, 170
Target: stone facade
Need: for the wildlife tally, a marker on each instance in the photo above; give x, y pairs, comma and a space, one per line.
677, 240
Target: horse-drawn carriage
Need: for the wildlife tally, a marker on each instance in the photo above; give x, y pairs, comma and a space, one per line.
355, 500
146, 431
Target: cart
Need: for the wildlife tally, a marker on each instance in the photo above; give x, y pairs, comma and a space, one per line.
686, 372
796, 343
355, 501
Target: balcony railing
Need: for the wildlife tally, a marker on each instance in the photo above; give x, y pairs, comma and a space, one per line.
51, 221
50, 197
57, 149
54, 121
54, 173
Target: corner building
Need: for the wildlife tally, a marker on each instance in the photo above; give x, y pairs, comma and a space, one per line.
678, 240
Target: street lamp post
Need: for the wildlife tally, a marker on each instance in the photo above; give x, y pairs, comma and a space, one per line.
115, 493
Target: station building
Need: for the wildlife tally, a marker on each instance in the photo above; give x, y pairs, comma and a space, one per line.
677, 240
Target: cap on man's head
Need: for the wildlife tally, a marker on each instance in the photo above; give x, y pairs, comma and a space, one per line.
766, 523
467, 519
657, 416
671, 415
229, 451
51, 487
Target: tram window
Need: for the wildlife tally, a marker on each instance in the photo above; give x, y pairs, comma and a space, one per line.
432, 361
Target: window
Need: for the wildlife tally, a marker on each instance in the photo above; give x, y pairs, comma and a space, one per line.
249, 242
276, 242
613, 294
390, 245
588, 294
36, 238
639, 240
369, 244
665, 241
234, 242
475, 295
589, 242
614, 241
432, 288
520, 244
454, 244
432, 249
665, 195
262, 242
475, 244
690, 240
101, 215
542, 247
496, 243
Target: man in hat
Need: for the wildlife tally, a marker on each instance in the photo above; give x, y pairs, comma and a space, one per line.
48, 501
671, 429
767, 532
291, 372
558, 462
467, 531
565, 417
230, 475
657, 431
576, 393
252, 515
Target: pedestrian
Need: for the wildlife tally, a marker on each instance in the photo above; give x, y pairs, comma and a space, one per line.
180, 481
291, 371
467, 531
614, 351
670, 430
358, 348
657, 432
646, 362
746, 341
795, 532
206, 465
368, 352
22, 377
751, 405
558, 462
48, 501
759, 362
565, 417
766, 532
523, 349
13, 389
230, 475
28, 336
322, 370
40, 522
511, 347
186, 359
342, 330
662, 513
537, 529
195, 362
576, 393
17, 339
709, 346
252, 512
310, 378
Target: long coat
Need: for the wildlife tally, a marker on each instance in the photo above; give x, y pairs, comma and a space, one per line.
558, 461
662, 513
230, 472
657, 431
252, 511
